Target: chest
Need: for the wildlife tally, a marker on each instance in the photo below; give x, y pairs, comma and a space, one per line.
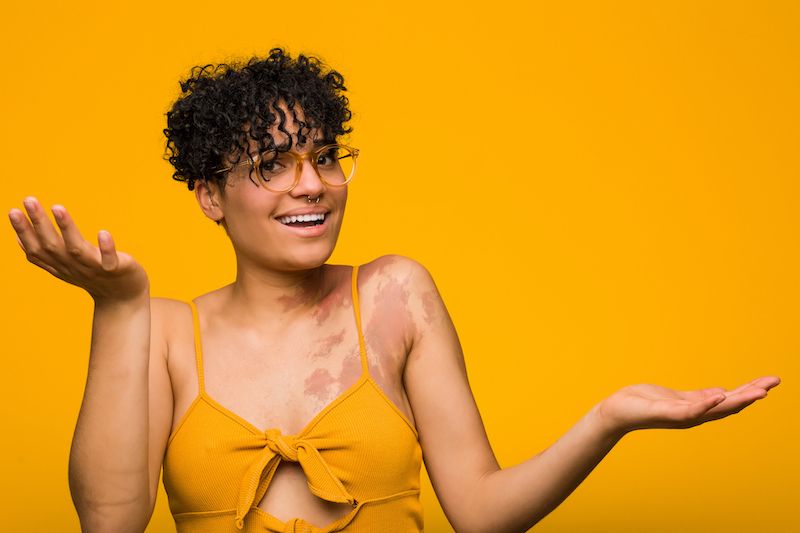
287, 378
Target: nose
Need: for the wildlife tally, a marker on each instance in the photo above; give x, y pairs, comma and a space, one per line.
309, 183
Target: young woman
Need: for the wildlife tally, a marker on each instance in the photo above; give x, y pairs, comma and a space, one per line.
304, 395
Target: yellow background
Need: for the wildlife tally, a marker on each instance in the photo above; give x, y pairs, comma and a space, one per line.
605, 192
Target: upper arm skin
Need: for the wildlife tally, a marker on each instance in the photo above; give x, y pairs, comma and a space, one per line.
455, 446
160, 399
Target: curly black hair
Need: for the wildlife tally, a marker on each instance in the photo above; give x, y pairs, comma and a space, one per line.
224, 107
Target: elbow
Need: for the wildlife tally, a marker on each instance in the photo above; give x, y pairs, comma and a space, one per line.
480, 525
110, 508
487, 510
113, 519
473, 515
476, 528
101, 515
487, 524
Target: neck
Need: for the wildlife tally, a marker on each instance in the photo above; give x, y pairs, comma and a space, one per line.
270, 296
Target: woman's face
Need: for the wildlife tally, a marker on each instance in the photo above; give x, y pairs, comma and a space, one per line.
250, 213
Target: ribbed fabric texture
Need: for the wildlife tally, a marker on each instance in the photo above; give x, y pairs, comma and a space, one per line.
360, 449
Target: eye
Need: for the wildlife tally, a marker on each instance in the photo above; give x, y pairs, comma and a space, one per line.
271, 164
328, 157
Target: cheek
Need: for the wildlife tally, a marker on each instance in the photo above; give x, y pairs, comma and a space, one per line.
339, 200
340, 195
250, 209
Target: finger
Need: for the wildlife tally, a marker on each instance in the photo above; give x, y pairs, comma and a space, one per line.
29, 242
740, 388
701, 394
752, 393
765, 382
729, 408
706, 404
75, 245
108, 251
681, 412
25, 233
49, 241
41, 264
745, 386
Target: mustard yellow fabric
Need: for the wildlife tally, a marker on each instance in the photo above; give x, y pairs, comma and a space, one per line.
360, 449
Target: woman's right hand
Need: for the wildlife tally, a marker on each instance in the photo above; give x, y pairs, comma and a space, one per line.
107, 275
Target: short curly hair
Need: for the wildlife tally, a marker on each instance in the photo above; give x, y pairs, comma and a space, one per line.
226, 106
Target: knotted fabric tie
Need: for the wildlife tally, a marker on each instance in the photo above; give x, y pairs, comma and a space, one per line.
277, 447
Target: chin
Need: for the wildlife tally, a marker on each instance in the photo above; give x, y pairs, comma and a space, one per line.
309, 257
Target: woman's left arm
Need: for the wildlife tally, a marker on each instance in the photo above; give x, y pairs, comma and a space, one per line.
475, 493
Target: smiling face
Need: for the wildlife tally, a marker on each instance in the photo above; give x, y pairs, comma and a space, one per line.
255, 217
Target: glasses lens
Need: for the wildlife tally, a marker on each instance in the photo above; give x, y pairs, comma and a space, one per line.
336, 164
277, 170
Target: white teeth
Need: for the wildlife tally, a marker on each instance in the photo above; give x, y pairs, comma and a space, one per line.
302, 218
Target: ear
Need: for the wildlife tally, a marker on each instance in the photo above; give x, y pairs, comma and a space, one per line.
208, 196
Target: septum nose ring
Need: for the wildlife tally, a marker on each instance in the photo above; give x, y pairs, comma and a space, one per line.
316, 200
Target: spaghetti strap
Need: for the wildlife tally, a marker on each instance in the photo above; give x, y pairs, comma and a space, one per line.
198, 347
357, 311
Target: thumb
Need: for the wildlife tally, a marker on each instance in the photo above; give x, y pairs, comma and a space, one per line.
706, 404
108, 253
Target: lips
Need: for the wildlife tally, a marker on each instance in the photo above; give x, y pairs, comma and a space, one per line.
302, 220
306, 231
316, 210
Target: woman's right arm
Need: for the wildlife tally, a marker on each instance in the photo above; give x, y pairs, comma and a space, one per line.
124, 421
125, 417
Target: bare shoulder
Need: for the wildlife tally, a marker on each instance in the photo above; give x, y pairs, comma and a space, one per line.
405, 289
172, 327
400, 278
399, 268
167, 305
166, 309
165, 315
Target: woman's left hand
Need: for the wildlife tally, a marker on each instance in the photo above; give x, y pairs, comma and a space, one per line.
651, 406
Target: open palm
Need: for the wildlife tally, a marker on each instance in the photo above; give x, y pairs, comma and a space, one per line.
652, 406
102, 271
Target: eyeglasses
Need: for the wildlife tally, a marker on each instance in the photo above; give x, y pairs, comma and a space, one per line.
335, 165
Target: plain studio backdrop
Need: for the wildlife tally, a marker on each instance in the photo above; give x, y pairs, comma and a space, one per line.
605, 192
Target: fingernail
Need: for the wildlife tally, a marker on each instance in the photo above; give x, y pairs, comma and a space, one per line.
30, 202
57, 211
14, 216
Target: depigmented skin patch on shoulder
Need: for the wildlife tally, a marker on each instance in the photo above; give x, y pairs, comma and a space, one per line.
376, 269
429, 306
390, 316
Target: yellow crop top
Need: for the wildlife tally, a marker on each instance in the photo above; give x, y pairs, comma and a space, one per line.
360, 449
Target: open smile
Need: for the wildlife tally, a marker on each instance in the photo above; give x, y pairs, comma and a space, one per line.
308, 225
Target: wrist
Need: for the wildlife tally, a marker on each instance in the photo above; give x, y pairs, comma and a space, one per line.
606, 423
108, 302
